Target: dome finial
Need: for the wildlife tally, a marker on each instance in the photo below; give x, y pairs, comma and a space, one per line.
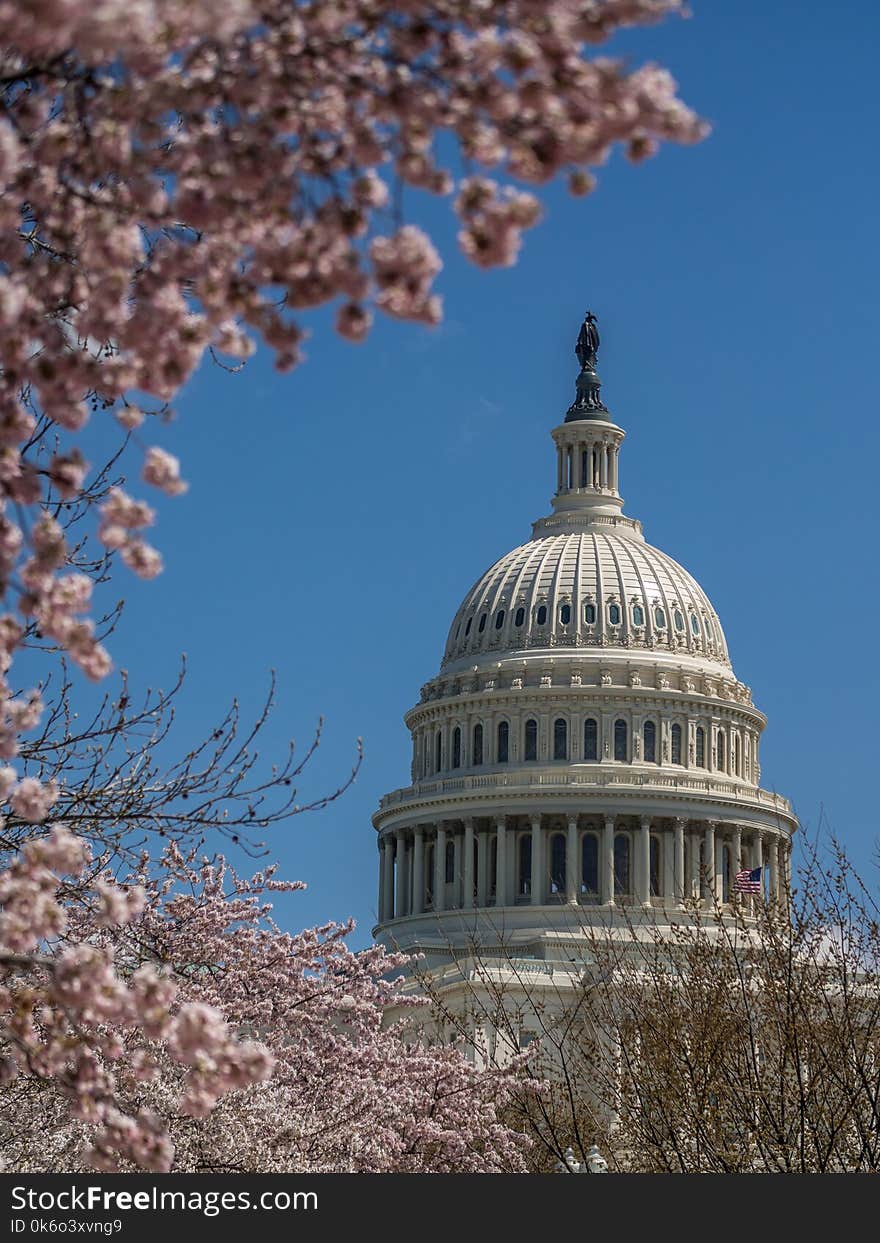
588, 401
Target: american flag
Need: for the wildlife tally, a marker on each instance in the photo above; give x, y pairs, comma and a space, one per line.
748, 881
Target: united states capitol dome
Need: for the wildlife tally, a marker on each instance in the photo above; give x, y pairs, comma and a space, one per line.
586, 747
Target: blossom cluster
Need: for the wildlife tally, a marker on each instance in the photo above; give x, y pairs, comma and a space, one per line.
75, 1015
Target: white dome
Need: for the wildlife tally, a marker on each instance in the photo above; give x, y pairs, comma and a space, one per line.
591, 588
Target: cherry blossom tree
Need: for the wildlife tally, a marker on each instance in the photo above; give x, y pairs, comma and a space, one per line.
182, 179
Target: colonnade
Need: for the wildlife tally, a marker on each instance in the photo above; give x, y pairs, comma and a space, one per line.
538, 859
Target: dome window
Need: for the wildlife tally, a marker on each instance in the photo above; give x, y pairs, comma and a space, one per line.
477, 748
482, 625
591, 739
638, 615
654, 867
708, 628
695, 624
467, 628
456, 748
565, 614
660, 618
525, 865
679, 620
701, 747
503, 742
542, 615
438, 752
557, 863
590, 614
560, 739
620, 741
614, 614
520, 616
720, 749
457, 632
531, 740
649, 742
499, 619
676, 744
590, 864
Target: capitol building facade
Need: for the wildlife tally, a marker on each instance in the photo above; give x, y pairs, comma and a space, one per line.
586, 754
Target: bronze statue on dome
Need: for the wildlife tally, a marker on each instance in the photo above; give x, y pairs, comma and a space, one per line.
587, 342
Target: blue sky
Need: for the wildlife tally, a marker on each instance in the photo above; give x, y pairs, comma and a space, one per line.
337, 515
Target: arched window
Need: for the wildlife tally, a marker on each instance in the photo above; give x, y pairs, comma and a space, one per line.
676, 744
542, 615
530, 750
720, 750
591, 739
649, 741
477, 746
614, 614
450, 862
620, 740
679, 621
525, 864
621, 863
557, 863
467, 628
456, 748
482, 625
499, 619
438, 751
560, 739
655, 867
701, 747
503, 742
660, 618
638, 615
707, 625
590, 614
695, 624
590, 864
565, 614
737, 755
519, 616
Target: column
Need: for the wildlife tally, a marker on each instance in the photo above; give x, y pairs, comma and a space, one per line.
467, 898
456, 867
440, 869
386, 886
606, 871
719, 866
774, 869
678, 860
483, 867
501, 898
603, 465
400, 894
644, 868
708, 887
786, 873
572, 871
736, 859
758, 857
538, 883
694, 844
418, 891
